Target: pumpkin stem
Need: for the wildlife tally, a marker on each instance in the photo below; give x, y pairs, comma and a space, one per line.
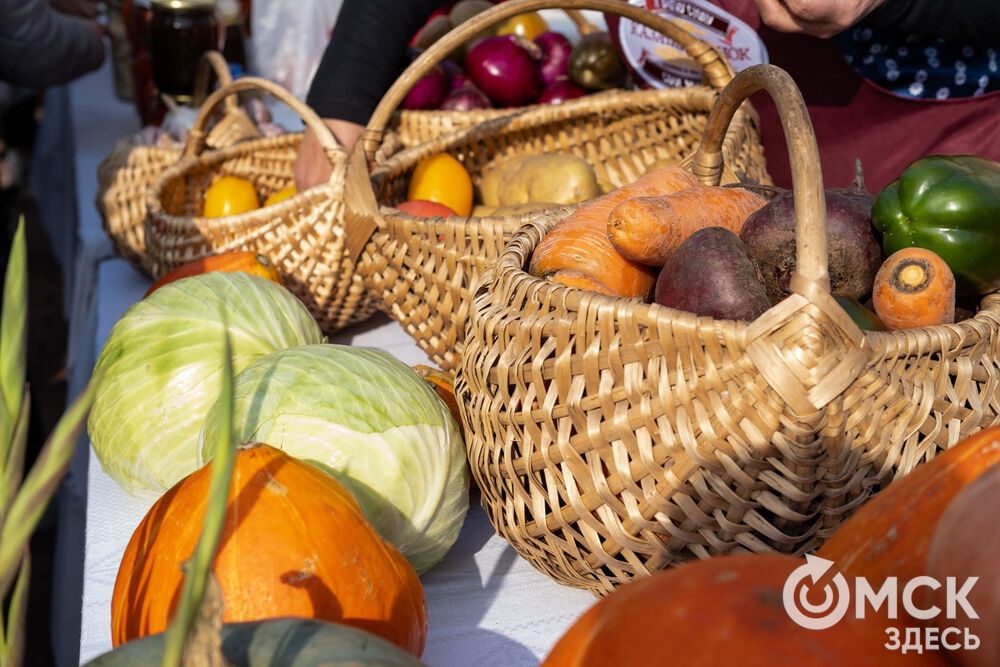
184, 626
204, 645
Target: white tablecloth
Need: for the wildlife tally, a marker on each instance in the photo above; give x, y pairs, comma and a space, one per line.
487, 606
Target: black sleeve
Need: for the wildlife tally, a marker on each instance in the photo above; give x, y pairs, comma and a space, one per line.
959, 21
366, 53
40, 47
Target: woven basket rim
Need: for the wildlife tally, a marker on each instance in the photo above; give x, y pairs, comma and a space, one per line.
610, 101
510, 267
210, 158
399, 163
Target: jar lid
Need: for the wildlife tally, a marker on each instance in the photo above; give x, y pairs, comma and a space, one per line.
182, 4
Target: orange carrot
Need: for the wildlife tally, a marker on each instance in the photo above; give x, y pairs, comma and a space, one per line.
914, 287
650, 229
580, 242
572, 278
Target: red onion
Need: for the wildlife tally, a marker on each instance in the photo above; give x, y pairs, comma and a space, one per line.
559, 91
466, 99
504, 70
428, 92
554, 63
457, 76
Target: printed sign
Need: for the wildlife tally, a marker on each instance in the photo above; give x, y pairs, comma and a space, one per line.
661, 63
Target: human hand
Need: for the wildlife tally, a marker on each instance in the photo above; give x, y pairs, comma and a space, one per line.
83, 8
312, 166
820, 18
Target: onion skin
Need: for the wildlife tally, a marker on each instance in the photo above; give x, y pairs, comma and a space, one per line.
466, 99
554, 63
560, 91
504, 70
428, 92
457, 77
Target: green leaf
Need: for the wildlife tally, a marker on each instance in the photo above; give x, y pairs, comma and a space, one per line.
12, 649
13, 470
40, 485
197, 570
13, 338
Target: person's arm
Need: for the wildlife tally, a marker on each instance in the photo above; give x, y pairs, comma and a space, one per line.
40, 47
365, 55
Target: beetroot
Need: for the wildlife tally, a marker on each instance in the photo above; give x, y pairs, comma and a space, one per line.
854, 253
711, 274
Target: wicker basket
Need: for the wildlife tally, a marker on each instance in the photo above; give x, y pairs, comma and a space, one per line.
125, 174
423, 269
613, 438
302, 235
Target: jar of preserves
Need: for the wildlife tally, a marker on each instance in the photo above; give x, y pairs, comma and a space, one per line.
180, 31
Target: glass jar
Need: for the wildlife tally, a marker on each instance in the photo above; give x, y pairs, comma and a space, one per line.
180, 31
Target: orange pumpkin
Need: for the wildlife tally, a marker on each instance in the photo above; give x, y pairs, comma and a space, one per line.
890, 535
295, 543
443, 385
248, 262
965, 544
726, 610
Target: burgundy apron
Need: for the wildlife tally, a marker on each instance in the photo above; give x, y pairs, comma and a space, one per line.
854, 118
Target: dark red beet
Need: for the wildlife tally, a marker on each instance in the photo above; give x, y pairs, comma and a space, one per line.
854, 253
711, 274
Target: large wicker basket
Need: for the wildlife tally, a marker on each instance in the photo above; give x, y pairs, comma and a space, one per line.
125, 174
422, 269
302, 235
613, 438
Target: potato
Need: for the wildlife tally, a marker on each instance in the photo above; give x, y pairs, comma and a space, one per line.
489, 187
557, 178
482, 210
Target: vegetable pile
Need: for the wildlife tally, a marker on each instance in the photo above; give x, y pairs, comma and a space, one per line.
351, 479
919, 254
519, 62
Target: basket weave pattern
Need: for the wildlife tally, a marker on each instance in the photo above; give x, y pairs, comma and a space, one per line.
612, 438
424, 269
302, 235
125, 174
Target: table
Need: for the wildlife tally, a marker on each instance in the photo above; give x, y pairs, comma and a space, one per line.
486, 605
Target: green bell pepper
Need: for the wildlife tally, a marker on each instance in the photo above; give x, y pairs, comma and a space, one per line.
949, 204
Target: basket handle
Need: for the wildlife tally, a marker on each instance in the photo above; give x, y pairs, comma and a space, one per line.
211, 61
196, 135
811, 269
716, 71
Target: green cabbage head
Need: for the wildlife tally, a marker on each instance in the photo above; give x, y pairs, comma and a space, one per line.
158, 372
374, 424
